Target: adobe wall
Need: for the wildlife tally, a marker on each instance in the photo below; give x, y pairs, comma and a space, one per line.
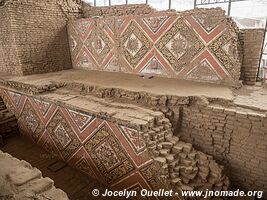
131, 148
252, 46
9, 61
236, 136
116, 10
200, 45
19, 180
36, 33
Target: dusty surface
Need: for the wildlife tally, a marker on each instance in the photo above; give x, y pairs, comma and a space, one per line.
127, 113
19, 180
252, 97
156, 86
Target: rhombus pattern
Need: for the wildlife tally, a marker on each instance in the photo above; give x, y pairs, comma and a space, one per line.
113, 154
200, 45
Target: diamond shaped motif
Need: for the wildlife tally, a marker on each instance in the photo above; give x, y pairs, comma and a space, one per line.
31, 121
179, 45
84, 61
63, 135
135, 44
83, 26
227, 54
75, 42
108, 154
99, 45
15, 97
114, 23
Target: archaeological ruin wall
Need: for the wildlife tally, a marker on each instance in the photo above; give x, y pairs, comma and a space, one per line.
252, 40
117, 10
33, 35
235, 135
19, 180
200, 45
118, 150
9, 61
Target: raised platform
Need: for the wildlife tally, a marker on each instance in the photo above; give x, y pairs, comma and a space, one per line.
146, 115
91, 81
118, 144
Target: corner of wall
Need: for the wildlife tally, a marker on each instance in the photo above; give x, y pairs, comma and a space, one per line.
252, 40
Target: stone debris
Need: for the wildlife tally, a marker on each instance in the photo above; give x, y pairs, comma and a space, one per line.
19, 180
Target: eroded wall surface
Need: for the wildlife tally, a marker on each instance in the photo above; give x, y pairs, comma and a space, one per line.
134, 155
200, 45
9, 61
19, 180
252, 48
234, 136
117, 10
34, 35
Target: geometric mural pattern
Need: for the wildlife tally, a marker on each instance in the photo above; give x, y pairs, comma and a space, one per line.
161, 44
115, 155
108, 154
134, 138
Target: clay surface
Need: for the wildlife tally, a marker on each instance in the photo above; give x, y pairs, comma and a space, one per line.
19, 180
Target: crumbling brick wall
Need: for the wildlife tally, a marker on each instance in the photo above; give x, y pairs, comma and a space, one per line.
9, 61
35, 34
252, 46
19, 180
139, 141
117, 10
234, 136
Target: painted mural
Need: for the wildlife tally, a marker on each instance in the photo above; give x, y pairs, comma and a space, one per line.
199, 45
113, 154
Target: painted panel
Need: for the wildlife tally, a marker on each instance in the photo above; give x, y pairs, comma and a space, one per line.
200, 45
113, 154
